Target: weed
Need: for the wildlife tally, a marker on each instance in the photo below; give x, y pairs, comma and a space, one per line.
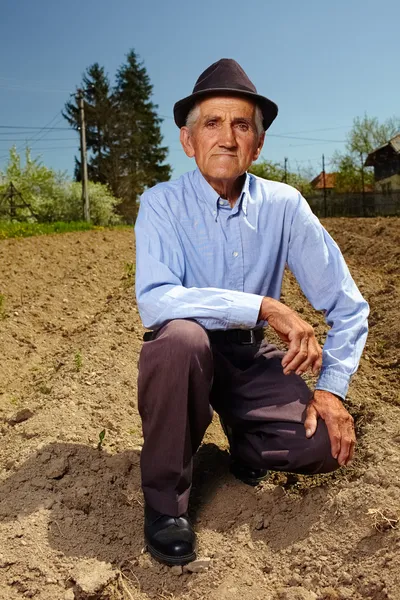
14, 400
129, 273
102, 435
78, 361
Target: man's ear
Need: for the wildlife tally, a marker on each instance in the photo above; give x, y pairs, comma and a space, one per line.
186, 141
260, 145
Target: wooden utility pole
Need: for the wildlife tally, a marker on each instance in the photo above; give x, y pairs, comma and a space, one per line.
285, 176
84, 171
324, 184
362, 184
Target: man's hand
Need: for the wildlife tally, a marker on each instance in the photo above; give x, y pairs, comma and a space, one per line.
304, 351
339, 422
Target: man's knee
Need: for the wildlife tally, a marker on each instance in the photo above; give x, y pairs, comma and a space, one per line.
185, 337
323, 450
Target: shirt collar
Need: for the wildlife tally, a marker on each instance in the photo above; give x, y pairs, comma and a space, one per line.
211, 197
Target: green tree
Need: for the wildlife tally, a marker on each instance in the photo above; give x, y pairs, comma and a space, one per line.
99, 117
366, 134
349, 175
274, 171
123, 132
40, 187
140, 154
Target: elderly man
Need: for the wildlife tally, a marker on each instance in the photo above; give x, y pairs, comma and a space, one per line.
211, 252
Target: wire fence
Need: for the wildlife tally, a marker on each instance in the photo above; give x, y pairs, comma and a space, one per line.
357, 204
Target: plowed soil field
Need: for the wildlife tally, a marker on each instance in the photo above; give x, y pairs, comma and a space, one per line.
71, 512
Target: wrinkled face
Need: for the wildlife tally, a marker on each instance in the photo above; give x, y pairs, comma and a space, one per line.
224, 139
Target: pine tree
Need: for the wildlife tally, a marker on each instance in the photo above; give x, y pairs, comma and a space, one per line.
99, 122
140, 153
122, 131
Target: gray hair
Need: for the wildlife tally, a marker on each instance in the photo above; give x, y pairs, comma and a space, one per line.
194, 114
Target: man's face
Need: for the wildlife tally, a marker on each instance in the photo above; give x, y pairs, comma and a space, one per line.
224, 140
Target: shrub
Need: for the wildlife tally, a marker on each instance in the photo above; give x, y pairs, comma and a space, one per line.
52, 196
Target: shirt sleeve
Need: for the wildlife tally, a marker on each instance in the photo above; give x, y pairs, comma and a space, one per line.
319, 267
160, 268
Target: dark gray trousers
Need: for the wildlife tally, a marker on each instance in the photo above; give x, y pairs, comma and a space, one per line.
182, 377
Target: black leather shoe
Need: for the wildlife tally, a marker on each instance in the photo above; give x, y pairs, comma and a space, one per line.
170, 540
244, 473
247, 474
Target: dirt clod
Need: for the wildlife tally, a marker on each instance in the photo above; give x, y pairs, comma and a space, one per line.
198, 566
20, 416
92, 576
296, 593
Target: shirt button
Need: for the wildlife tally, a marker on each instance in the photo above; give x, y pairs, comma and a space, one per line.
235, 254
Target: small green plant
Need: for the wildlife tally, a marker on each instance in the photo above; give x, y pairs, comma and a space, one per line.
129, 273
102, 435
14, 401
78, 361
2, 306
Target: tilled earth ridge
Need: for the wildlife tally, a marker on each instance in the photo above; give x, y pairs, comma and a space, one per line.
70, 336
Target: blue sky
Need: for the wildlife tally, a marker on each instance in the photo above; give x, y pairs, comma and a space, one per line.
322, 62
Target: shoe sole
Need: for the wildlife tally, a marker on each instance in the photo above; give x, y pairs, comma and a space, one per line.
170, 560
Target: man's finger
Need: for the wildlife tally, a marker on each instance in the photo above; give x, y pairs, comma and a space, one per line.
316, 367
313, 353
292, 351
334, 437
311, 422
344, 453
299, 357
347, 444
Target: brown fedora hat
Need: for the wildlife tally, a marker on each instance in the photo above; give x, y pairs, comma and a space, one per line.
224, 77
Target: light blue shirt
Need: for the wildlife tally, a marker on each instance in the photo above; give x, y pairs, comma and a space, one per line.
198, 258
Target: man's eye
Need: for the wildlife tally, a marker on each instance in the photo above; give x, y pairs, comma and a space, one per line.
211, 124
243, 126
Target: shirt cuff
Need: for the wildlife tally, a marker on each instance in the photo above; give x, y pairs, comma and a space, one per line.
333, 381
244, 310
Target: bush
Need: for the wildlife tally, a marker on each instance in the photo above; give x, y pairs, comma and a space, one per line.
52, 196
102, 204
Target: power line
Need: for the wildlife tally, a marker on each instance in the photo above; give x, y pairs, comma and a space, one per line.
32, 139
49, 140
292, 137
33, 128
315, 130
56, 148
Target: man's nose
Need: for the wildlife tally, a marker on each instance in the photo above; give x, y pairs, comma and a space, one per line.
227, 136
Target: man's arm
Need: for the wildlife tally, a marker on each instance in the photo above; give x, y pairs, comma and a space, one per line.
319, 267
304, 352
322, 273
160, 268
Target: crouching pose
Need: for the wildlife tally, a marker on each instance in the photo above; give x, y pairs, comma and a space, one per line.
211, 251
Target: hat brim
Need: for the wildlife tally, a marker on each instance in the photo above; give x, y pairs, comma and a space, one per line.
182, 108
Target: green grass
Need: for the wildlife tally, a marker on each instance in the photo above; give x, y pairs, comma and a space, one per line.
15, 229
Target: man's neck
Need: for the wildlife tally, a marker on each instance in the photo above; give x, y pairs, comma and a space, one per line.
226, 188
